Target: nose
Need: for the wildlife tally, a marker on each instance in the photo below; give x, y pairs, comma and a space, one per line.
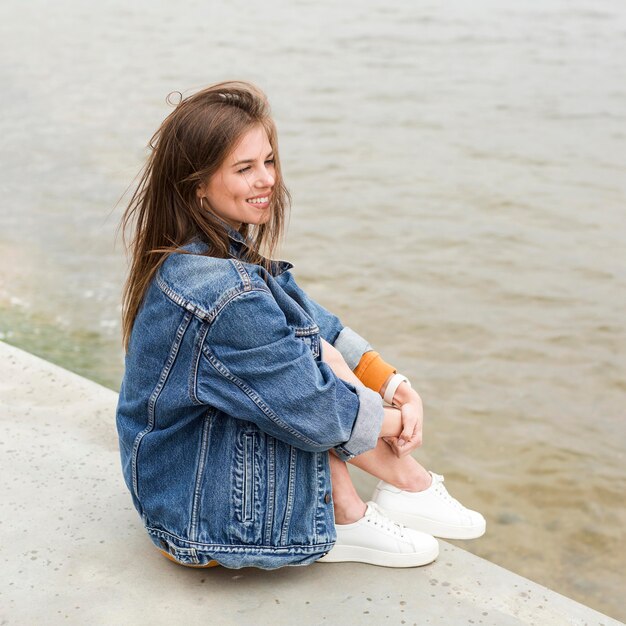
265, 178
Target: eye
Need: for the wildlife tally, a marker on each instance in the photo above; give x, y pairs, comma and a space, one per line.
270, 161
243, 169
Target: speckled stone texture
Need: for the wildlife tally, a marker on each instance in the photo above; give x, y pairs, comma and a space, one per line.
73, 550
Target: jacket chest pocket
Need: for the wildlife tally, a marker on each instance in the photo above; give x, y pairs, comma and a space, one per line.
311, 337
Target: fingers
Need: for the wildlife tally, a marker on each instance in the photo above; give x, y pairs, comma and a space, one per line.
392, 442
410, 436
405, 450
409, 423
408, 447
417, 434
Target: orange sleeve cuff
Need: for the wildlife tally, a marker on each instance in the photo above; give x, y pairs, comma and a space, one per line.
372, 371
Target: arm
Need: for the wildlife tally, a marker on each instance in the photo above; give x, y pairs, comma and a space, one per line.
404, 393
402, 429
367, 364
392, 421
253, 367
351, 345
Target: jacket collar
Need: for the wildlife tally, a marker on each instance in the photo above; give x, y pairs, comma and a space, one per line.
238, 242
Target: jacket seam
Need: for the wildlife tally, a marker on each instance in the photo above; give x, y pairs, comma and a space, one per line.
229, 546
206, 430
305, 331
248, 445
179, 300
271, 488
243, 273
155, 396
199, 311
228, 297
291, 487
193, 374
255, 397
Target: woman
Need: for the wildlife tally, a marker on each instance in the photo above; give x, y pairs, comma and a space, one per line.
242, 398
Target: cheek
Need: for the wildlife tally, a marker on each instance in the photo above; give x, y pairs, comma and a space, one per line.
222, 197
236, 189
242, 188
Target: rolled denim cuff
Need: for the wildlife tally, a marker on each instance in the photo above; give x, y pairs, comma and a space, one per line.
352, 346
367, 425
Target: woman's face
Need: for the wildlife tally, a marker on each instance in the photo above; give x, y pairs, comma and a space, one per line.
239, 192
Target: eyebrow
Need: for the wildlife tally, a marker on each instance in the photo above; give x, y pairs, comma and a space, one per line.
251, 160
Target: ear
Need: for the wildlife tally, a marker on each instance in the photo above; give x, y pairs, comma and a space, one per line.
200, 191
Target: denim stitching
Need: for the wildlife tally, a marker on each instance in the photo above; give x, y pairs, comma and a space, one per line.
221, 368
245, 277
247, 502
305, 331
193, 374
317, 346
228, 296
198, 311
317, 505
271, 491
344, 454
194, 556
206, 429
321, 471
228, 547
254, 396
155, 395
291, 486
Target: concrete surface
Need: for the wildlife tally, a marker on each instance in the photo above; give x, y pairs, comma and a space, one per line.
73, 550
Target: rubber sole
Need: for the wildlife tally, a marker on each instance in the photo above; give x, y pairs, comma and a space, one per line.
359, 554
436, 529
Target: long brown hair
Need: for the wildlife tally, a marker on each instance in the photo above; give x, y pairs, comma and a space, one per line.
164, 211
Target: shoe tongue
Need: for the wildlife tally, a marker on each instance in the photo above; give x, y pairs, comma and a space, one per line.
437, 478
372, 509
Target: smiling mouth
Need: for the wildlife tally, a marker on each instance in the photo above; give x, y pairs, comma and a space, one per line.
260, 200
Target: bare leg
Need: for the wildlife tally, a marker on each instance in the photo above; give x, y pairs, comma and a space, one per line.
348, 505
405, 473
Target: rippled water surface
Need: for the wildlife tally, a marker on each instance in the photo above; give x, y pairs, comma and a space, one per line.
458, 173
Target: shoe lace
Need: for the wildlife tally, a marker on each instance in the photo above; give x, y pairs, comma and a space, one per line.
380, 520
442, 492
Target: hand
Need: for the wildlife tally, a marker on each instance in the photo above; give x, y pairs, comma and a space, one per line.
410, 438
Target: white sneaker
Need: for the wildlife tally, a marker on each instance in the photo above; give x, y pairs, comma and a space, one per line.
375, 539
432, 511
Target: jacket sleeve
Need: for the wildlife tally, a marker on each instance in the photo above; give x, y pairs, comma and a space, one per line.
252, 366
351, 345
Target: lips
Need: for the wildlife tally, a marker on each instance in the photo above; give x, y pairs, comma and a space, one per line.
260, 202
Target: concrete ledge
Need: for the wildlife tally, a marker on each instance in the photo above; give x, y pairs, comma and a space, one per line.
73, 550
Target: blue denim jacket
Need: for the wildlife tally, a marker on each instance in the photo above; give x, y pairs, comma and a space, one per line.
227, 412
